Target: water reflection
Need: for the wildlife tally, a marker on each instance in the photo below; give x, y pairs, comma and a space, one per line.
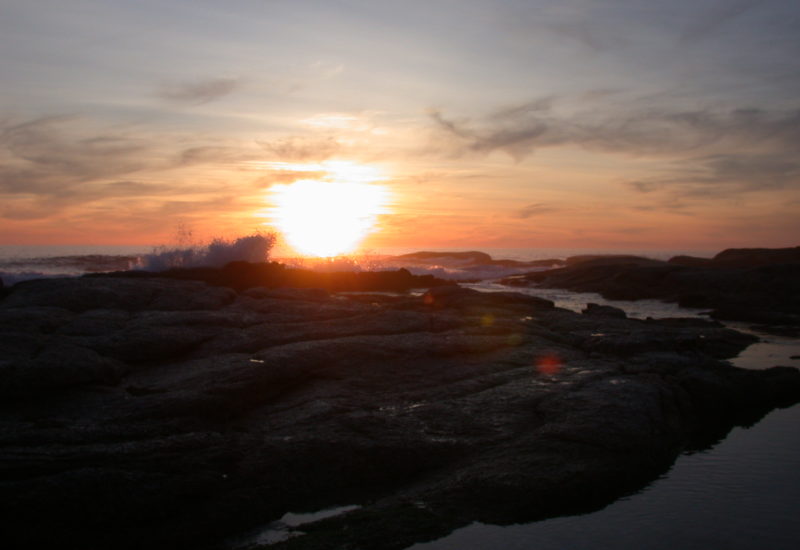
742, 494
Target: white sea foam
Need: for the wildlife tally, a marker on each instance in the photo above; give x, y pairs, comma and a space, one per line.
219, 252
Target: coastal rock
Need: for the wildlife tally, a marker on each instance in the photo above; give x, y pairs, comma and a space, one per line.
132, 419
241, 276
87, 293
475, 258
458, 297
753, 257
604, 311
760, 286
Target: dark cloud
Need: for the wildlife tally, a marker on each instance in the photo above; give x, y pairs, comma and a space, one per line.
594, 37
725, 175
44, 205
710, 21
539, 105
533, 209
614, 129
38, 158
501, 132
213, 155
645, 186
198, 91
710, 152
49, 164
299, 149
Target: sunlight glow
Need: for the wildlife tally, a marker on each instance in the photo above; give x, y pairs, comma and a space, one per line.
329, 216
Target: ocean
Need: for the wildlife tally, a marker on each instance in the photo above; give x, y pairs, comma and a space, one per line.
22, 262
743, 493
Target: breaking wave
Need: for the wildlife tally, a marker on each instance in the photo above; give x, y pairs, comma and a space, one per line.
252, 248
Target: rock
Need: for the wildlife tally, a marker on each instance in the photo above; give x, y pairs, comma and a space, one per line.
57, 367
241, 276
304, 294
132, 418
743, 257
476, 259
472, 257
604, 311
453, 296
754, 257
609, 259
761, 286
691, 261
86, 293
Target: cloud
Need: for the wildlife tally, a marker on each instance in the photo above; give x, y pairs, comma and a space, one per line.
37, 157
592, 36
519, 131
514, 137
701, 153
533, 209
299, 149
198, 91
54, 163
213, 155
716, 17
288, 176
725, 175
645, 186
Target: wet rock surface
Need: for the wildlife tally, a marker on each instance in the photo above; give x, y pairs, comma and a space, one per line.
162, 413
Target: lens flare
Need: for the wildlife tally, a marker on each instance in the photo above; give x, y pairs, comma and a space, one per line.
549, 364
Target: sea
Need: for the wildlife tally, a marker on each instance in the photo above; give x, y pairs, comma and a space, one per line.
743, 493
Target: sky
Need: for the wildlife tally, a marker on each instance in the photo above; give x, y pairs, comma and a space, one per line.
578, 123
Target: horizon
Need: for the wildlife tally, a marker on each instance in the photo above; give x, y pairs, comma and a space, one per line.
286, 252
354, 125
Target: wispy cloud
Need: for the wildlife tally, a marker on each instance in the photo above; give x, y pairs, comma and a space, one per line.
55, 163
199, 91
533, 209
714, 18
724, 175
702, 153
300, 149
39, 158
520, 131
214, 154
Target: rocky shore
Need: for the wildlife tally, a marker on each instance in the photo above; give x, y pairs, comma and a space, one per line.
155, 412
760, 286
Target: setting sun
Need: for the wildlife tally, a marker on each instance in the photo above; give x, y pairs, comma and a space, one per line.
328, 216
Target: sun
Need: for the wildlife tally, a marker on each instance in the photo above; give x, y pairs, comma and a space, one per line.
331, 215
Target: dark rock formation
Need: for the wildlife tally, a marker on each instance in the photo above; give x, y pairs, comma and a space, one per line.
608, 259
760, 286
243, 275
752, 257
475, 258
164, 413
691, 261
743, 257
604, 311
